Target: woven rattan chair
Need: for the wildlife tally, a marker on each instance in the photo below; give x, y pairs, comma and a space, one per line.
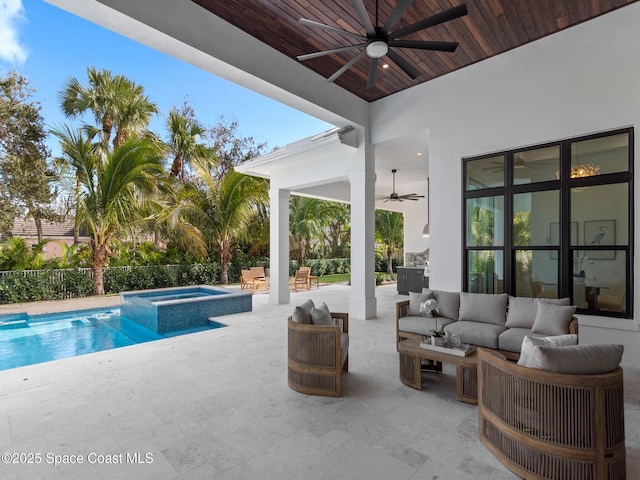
317, 356
551, 425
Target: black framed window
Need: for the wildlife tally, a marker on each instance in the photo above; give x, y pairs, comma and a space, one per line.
554, 220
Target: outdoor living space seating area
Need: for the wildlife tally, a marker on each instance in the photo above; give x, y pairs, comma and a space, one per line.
216, 404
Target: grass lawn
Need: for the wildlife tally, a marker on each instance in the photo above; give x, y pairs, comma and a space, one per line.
339, 277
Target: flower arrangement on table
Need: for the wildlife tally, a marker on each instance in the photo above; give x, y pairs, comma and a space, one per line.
430, 308
579, 262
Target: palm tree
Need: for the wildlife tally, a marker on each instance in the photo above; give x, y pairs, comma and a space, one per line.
229, 205
17, 254
115, 102
115, 194
185, 133
77, 149
389, 232
307, 217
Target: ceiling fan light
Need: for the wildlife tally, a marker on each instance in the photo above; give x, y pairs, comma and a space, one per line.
377, 49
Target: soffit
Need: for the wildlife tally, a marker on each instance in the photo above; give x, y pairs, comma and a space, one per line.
490, 28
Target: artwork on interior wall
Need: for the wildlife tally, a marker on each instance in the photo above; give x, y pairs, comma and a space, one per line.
600, 232
554, 237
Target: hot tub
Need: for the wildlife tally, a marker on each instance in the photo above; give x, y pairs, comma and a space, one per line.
169, 309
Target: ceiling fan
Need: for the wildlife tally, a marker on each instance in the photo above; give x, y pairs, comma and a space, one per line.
380, 40
394, 197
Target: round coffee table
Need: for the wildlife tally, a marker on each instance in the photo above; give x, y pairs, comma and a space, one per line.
466, 368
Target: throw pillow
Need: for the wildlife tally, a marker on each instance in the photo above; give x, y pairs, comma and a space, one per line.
529, 343
483, 307
320, 316
300, 315
324, 307
449, 303
578, 359
522, 312
553, 319
415, 299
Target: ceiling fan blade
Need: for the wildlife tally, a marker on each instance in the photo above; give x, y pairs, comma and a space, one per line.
309, 56
311, 23
406, 67
452, 13
439, 46
373, 72
364, 16
346, 67
397, 14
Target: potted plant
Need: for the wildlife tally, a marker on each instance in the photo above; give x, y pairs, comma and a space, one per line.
430, 308
438, 336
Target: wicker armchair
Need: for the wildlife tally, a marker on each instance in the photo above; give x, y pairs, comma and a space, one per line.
541, 424
317, 356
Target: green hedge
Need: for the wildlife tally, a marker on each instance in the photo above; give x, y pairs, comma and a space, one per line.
37, 285
323, 266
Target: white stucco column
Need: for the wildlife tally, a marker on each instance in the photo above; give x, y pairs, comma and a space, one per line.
362, 177
279, 246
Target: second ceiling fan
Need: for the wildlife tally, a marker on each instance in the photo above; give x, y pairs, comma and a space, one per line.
394, 197
380, 40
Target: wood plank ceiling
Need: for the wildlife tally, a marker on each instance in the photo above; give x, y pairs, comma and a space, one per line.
490, 28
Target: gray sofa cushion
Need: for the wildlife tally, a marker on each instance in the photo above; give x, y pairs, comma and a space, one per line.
483, 307
344, 347
416, 299
530, 342
522, 310
449, 303
577, 359
421, 325
553, 319
511, 339
479, 334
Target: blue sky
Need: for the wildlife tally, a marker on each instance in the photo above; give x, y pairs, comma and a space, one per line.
49, 45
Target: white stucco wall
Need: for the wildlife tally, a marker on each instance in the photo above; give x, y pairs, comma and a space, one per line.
578, 81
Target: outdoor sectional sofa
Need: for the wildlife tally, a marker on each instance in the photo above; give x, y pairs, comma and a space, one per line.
496, 321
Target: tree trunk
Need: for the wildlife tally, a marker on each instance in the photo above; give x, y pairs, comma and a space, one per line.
38, 222
100, 255
225, 260
97, 272
76, 217
389, 261
176, 166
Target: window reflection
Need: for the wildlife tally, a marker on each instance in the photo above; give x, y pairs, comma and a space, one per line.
536, 274
486, 271
485, 221
537, 165
485, 173
600, 155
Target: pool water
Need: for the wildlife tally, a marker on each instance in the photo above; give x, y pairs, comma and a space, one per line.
55, 336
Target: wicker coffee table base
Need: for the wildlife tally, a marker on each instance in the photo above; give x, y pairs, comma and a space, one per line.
411, 369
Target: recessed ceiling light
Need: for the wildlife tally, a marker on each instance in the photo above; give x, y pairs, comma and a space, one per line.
419, 154
386, 65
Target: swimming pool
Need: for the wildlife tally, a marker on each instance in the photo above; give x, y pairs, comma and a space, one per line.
26, 340
164, 310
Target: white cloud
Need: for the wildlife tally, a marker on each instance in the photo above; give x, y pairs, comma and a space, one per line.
11, 12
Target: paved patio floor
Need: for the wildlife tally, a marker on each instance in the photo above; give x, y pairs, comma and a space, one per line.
216, 405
